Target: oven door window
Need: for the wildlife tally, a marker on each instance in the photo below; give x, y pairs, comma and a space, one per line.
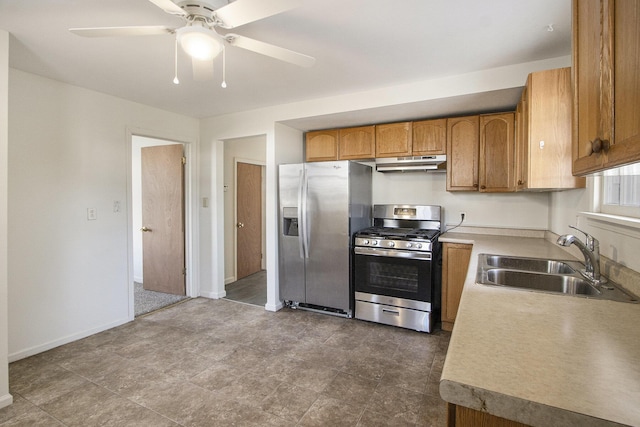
395, 277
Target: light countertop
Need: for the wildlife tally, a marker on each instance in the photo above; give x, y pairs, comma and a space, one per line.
537, 358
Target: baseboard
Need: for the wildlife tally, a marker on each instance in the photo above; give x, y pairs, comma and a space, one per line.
213, 295
137, 279
6, 400
229, 280
274, 307
22, 354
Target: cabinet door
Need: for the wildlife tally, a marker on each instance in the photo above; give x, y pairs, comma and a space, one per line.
497, 148
591, 89
549, 131
357, 143
626, 80
455, 263
321, 145
430, 137
462, 153
393, 140
522, 139
606, 39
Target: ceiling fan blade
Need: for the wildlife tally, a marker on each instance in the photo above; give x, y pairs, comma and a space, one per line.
121, 31
242, 12
169, 7
270, 50
202, 70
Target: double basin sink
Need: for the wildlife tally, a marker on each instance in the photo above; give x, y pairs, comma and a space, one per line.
545, 275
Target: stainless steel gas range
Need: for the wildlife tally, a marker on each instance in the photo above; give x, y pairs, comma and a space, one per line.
396, 270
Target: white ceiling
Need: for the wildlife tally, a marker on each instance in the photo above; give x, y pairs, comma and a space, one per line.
359, 45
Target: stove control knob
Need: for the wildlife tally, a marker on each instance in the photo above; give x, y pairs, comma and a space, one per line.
392, 244
375, 242
419, 245
409, 245
366, 242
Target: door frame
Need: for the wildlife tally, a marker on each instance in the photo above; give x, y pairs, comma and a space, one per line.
191, 232
263, 212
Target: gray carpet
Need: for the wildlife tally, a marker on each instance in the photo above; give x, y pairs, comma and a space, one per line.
148, 301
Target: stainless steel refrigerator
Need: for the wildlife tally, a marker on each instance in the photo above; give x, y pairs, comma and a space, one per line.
321, 205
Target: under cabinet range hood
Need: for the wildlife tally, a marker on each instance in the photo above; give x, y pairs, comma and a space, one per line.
412, 164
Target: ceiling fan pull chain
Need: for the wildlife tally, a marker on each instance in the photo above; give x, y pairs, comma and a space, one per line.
175, 63
224, 67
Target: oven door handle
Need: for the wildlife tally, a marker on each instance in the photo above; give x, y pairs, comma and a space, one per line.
418, 256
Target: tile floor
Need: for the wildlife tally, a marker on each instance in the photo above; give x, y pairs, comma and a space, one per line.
249, 290
217, 362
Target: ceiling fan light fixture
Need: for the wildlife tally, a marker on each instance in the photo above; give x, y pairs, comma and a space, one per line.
199, 42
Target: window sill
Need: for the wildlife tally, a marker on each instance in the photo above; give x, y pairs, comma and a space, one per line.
616, 223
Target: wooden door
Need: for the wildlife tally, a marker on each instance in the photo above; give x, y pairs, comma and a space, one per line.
606, 40
497, 159
249, 219
626, 80
429, 137
321, 145
591, 87
393, 140
463, 143
357, 143
455, 263
163, 219
522, 138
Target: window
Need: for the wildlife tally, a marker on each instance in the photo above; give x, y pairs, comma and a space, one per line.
621, 191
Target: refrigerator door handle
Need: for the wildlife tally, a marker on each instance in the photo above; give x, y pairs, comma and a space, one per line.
300, 210
305, 217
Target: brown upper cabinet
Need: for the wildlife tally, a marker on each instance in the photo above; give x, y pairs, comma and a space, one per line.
481, 153
394, 140
606, 113
496, 171
357, 143
340, 144
321, 145
543, 141
463, 147
429, 137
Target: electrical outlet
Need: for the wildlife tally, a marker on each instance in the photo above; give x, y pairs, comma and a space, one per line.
92, 214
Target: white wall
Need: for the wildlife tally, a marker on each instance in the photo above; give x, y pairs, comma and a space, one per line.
510, 210
69, 151
250, 149
618, 242
5, 397
528, 210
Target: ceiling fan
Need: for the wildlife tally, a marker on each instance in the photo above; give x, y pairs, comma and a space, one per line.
199, 38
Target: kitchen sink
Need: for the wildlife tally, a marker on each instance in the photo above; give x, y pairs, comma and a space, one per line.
532, 264
560, 283
561, 277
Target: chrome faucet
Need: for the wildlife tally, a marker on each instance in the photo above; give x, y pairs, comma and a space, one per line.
590, 250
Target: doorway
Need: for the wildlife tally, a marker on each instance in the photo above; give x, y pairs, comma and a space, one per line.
245, 213
158, 223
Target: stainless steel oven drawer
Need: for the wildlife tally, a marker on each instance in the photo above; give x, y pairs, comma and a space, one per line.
395, 316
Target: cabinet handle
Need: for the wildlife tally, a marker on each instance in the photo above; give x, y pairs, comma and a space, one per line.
520, 182
598, 145
483, 187
475, 185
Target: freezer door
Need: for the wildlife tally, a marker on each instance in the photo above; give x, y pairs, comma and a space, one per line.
327, 227
291, 262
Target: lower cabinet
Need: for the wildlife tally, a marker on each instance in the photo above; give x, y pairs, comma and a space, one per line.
460, 416
455, 263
